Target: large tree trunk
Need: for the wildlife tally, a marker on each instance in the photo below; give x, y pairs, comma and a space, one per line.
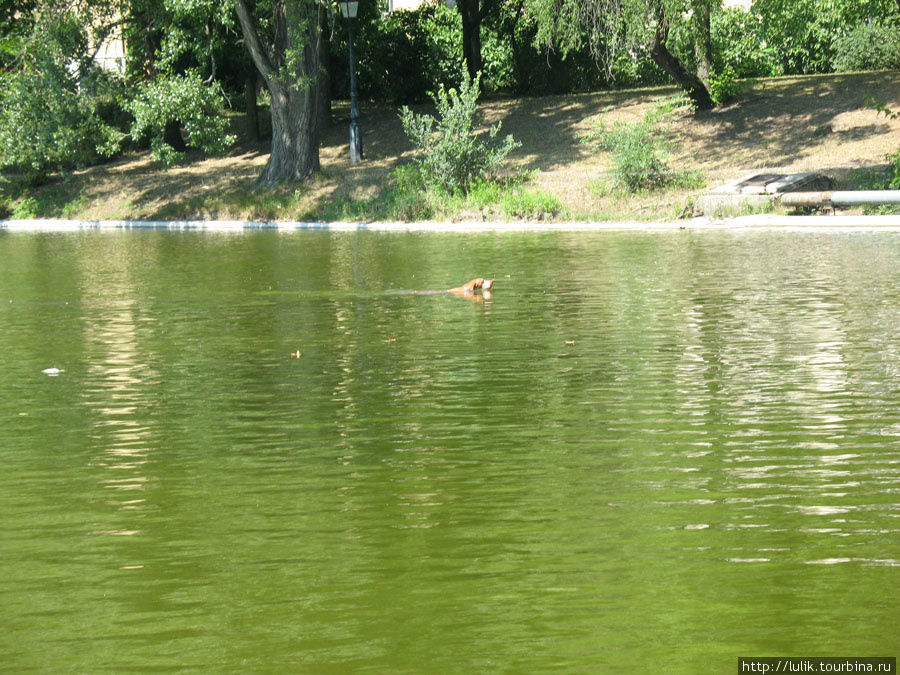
470, 11
295, 134
703, 41
692, 85
290, 69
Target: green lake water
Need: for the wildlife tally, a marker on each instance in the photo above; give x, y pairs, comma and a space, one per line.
644, 453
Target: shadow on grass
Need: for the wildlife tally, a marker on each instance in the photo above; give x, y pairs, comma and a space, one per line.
787, 121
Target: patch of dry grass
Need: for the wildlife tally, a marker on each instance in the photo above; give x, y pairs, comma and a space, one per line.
818, 123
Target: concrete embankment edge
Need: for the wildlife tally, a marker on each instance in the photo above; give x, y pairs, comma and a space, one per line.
742, 223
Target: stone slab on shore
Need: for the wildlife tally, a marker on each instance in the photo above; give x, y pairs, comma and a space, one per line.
758, 191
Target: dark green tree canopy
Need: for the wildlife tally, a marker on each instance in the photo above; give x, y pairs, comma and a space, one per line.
615, 26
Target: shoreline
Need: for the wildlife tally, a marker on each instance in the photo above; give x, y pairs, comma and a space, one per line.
766, 222
785, 125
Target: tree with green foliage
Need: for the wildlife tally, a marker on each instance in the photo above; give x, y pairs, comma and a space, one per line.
738, 46
50, 96
868, 47
616, 26
60, 109
171, 45
804, 33
15, 23
189, 101
288, 58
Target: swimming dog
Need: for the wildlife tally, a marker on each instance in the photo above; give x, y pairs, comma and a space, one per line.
479, 284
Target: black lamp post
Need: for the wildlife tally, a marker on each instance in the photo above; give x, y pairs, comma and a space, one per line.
349, 9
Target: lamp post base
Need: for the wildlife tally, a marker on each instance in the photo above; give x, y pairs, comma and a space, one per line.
356, 153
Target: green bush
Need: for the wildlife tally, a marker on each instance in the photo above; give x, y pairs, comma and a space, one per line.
724, 87
187, 99
531, 205
879, 179
868, 47
25, 209
451, 154
639, 154
641, 150
893, 182
407, 200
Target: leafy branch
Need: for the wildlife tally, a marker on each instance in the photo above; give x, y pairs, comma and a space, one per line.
874, 104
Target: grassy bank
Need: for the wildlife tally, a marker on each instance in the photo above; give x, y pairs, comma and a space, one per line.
818, 123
